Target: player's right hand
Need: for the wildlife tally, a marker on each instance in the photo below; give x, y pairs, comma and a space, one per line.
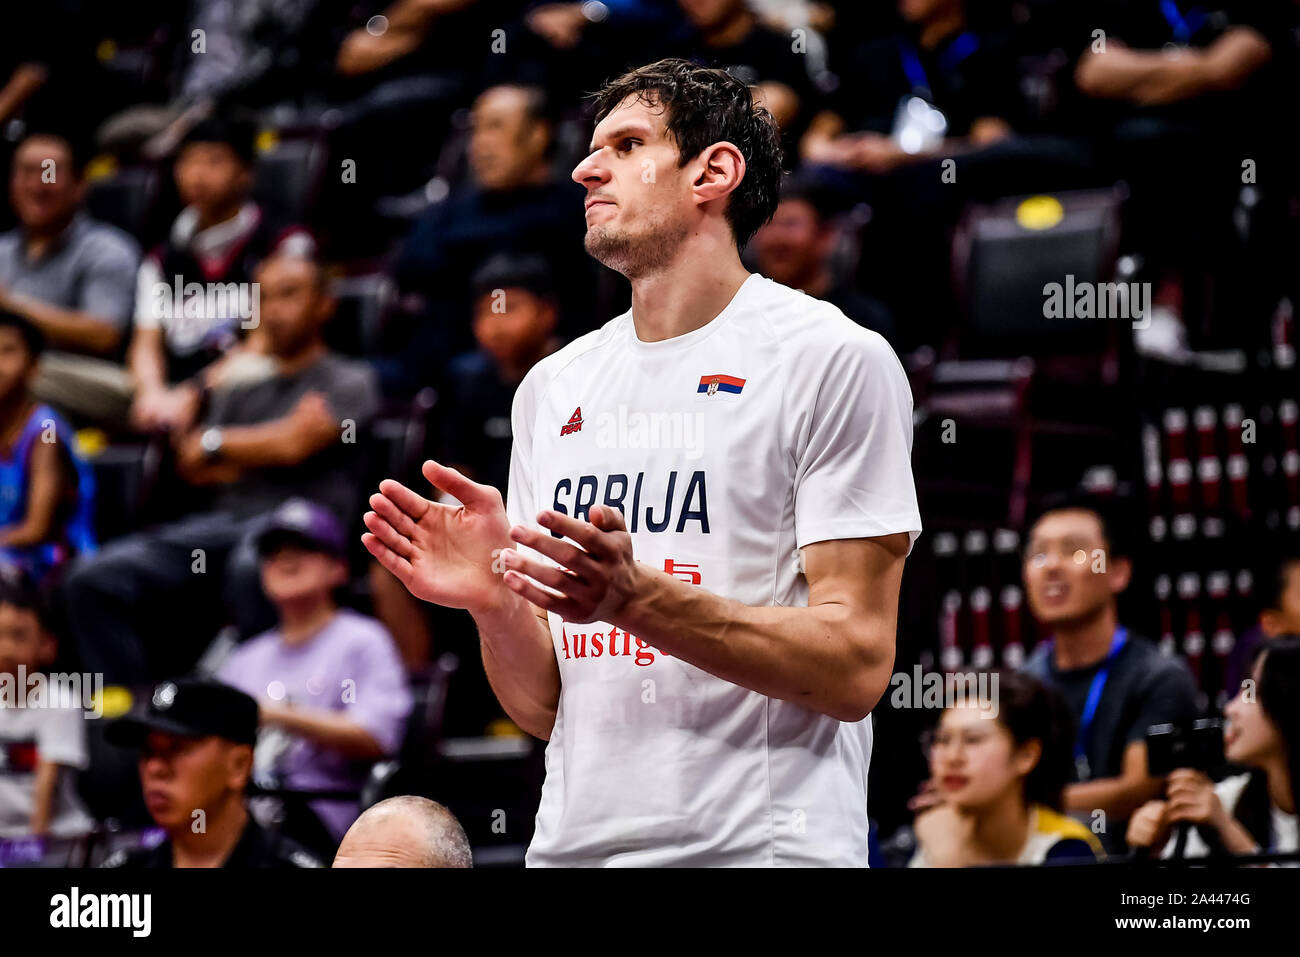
447, 554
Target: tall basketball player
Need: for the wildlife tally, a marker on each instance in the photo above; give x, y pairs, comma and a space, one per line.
693, 592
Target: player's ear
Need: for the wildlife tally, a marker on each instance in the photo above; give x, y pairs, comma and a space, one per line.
721, 168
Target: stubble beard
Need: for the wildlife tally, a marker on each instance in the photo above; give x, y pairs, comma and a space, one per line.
636, 254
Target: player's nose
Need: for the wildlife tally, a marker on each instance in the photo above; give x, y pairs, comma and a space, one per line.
590, 173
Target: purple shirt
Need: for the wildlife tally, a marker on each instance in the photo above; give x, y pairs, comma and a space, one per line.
350, 665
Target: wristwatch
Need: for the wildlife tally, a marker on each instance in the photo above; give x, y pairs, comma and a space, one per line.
210, 442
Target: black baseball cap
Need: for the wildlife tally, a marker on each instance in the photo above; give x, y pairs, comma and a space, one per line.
301, 522
192, 708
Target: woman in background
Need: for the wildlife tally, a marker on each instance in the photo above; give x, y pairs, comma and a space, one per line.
998, 769
1248, 813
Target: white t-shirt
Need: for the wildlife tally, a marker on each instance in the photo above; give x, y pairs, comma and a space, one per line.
805, 436
27, 736
1286, 833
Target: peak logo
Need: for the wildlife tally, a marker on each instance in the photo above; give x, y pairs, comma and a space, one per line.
574, 424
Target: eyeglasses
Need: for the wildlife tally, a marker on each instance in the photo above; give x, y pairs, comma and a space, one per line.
940, 739
1068, 550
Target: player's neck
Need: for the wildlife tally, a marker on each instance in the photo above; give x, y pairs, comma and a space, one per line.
213, 844
687, 294
1085, 642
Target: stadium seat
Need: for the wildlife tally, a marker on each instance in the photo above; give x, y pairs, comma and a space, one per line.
1004, 255
125, 476
287, 176
124, 198
364, 303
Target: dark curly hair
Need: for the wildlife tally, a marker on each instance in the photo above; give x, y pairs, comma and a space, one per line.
704, 106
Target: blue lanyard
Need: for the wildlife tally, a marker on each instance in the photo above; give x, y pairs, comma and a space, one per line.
1094, 696
1183, 27
959, 49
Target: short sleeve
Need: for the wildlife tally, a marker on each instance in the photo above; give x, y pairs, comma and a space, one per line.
109, 289
61, 738
1169, 697
853, 476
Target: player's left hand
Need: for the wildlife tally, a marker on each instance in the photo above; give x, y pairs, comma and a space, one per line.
597, 575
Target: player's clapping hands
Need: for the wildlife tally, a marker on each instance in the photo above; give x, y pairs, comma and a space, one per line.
597, 575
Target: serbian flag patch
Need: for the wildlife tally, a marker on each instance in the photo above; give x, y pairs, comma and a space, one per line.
711, 384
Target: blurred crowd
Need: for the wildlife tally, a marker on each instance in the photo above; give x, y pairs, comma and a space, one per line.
258, 255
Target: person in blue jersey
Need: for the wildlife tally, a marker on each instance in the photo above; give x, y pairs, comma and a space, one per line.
46, 490
999, 768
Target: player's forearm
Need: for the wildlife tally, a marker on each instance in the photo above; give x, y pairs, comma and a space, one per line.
519, 660
822, 657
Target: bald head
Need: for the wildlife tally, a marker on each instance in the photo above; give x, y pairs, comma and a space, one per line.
404, 831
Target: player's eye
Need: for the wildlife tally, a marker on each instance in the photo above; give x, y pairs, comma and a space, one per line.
626, 144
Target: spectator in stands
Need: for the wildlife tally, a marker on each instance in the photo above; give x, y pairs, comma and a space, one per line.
999, 767
1249, 813
922, 124
330, 684
48, 68
1218, 51
42, 741
405, 831
422, 37
1180, 94
515, 318
796, 246
1116, 684
513, 204
216, 242
259, 444
46, 490
71, 277
728, 34
1279, 615
938, 58
516, 314
195, 739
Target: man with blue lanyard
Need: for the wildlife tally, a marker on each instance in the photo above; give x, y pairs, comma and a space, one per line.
1115, 683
